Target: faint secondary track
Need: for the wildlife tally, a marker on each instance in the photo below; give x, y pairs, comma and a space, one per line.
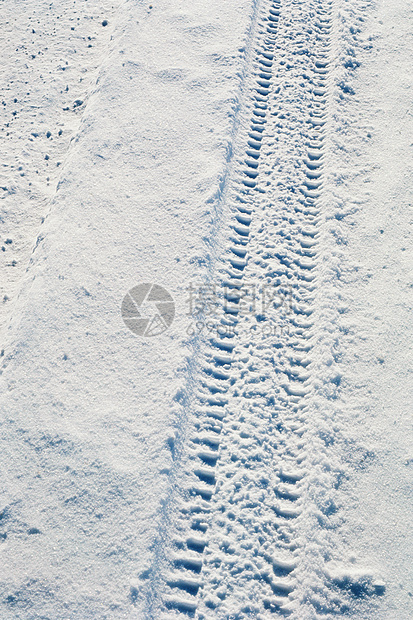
231, 543
51, 61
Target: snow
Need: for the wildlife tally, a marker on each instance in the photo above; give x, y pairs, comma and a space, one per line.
254, 457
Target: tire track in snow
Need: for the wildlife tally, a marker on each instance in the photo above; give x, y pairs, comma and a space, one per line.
233, 543
254, 541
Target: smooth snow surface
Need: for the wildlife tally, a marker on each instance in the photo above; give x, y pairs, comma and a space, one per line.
255, 459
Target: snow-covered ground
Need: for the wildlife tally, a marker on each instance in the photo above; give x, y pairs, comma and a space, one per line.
245, 451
